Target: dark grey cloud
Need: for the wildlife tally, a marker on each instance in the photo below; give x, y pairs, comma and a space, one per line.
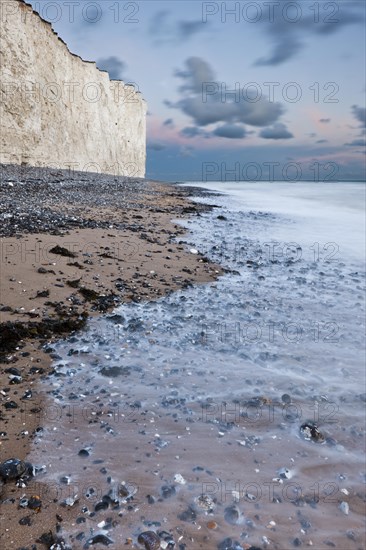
231, 131
360, 114
169, 122
113, 65
196, 73
191, 131
203, 102
322, 141
357, 143
289, 37
154, 146
324, 120
277, 131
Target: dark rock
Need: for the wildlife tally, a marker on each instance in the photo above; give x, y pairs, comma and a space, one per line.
61, 251
27, 520
84, 453
42, 294
150, 540
12, 468
167, 538
74, 283
34, 503
102, 505
89, 294
100, 538
309, 431
11, 405
188, 515
229, 544
112, 372
14, 371
168, 491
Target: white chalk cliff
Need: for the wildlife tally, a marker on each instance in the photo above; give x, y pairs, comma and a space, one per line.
61, 111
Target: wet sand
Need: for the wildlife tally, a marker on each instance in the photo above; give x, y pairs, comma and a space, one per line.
115, 245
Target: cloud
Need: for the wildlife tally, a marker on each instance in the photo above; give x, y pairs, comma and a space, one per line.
282, 51
322, 141
324, 120
278, 131
231, 131
357, 143
165, 31
169, 122
288, 24
203, 101
197, 72
113, 66
360, 114
158, 23
186, 29
191, 131
154, 146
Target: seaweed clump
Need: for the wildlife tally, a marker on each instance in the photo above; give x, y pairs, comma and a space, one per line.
11, 333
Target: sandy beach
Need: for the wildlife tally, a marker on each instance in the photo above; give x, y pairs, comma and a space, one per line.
74, 246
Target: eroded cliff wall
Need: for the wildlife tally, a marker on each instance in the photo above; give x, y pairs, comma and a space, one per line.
58, 110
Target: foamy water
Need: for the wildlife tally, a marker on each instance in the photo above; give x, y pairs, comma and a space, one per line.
203, 393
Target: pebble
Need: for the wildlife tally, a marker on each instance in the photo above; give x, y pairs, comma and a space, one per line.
70, 501
149, 539
84, 453
309, 431
285, 473
229, 544
233, 515
35, 503
12, 468
344, 507
178, 478
100, 538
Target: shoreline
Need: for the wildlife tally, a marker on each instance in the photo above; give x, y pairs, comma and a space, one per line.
69, 253
143, 427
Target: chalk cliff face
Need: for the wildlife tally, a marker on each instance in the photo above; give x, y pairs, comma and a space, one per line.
58, 110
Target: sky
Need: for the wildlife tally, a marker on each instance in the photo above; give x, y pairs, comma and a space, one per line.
265, 89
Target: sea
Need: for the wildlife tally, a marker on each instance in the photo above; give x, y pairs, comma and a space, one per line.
236, 416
